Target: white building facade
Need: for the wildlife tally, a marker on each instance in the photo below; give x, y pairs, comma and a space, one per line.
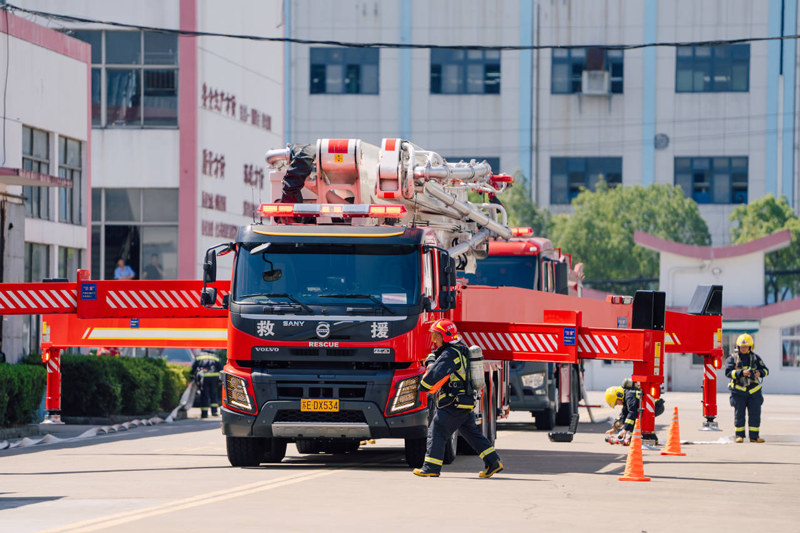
180, 125
719, 121
45, 156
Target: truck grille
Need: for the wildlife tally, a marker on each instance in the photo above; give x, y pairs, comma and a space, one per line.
342, 417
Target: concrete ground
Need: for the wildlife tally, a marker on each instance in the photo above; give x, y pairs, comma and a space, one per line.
175, 477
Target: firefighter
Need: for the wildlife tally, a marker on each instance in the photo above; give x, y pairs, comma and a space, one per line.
448, 375
746, 369
205, 370
629, 396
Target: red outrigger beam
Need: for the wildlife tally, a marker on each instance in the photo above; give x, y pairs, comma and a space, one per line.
541, 327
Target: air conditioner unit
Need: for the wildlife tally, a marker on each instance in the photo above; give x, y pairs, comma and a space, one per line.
595, 82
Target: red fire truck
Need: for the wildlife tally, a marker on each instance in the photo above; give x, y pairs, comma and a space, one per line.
551, 392
333, 290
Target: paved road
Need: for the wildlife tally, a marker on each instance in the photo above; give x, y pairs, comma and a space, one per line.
176, 478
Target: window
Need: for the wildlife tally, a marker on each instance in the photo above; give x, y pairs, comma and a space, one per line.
36, 157
37, 268
465, 71
69, 167
566, 74
494, 162
713, 180
139, 226
344, 71
712, 69
790, 340
569, 174
69, 261
134, 78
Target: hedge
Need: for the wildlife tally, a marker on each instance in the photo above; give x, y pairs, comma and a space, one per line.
105, 386
21, 390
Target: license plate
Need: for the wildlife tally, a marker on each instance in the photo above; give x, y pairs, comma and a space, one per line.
320, 406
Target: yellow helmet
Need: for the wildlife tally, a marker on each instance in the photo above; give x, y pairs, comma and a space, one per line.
744, 340
613, 394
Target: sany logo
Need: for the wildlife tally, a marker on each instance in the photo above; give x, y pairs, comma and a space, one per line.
264, 328
295, 323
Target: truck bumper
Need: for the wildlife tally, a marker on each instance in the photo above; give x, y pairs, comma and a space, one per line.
355, 420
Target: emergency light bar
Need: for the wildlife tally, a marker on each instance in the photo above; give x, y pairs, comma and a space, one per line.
332, 210
522, 232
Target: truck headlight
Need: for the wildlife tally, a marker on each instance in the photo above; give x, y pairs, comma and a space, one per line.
236, 392
406, 395
533, 381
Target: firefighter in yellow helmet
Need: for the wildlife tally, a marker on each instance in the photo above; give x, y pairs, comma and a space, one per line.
628, 396
746, 370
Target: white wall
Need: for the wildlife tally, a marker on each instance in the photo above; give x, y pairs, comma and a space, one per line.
253, 73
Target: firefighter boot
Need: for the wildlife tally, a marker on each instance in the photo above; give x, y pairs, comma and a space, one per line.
204, 412
214, 410
421, 472
757, 439
739, 440
492, 469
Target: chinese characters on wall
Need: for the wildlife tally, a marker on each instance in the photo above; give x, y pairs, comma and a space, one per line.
225, 103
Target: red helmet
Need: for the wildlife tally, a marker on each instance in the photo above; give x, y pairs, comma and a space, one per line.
447, 328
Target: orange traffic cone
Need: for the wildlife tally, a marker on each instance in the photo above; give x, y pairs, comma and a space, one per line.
634, 468
674, 437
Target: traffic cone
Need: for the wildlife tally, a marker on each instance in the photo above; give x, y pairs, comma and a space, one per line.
634, 468
673, 437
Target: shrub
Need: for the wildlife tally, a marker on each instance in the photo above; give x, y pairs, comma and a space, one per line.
175, 381
90, 386
21, 389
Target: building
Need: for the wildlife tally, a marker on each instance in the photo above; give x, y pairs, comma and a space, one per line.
44, 167
718, 121
180, 125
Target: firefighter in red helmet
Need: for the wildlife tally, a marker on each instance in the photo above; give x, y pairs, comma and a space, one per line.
448, 375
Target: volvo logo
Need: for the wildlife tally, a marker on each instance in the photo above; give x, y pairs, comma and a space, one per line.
323, 330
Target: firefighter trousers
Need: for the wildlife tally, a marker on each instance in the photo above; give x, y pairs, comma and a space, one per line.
209, 396
447, 421
751, 403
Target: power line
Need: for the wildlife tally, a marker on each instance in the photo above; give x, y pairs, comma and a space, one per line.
387, 45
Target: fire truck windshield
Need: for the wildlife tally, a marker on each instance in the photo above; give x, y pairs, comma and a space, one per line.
505, 270
329, 274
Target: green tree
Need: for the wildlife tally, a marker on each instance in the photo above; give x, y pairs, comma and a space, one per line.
759, 219
600, 232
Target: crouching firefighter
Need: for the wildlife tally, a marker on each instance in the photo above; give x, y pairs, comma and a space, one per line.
629, 396
205, 370
448, 375
746, 370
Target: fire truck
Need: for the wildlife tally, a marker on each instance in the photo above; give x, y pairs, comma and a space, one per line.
551, 392
333, 291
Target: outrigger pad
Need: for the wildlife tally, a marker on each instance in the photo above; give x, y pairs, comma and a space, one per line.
566, 436
706, 300
649, 308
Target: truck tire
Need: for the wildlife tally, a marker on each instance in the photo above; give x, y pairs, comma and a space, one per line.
451, 449
415, 451
274, 451
566, 410
546, 420
309, 446
245, 451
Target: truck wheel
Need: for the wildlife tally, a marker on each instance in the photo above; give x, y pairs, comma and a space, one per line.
451, 449
310, 446
415, 452
275, 450
546, 420
245, 451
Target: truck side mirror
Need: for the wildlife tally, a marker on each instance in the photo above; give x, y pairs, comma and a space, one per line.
208, 296
447, 270
226, 301
210, 267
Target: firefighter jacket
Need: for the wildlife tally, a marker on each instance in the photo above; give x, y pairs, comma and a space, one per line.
630, 409
207, 363
448, 375
735, 367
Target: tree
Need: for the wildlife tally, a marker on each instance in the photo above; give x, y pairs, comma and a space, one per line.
600, 232
759, 219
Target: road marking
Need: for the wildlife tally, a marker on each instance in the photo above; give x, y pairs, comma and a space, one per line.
196, 501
